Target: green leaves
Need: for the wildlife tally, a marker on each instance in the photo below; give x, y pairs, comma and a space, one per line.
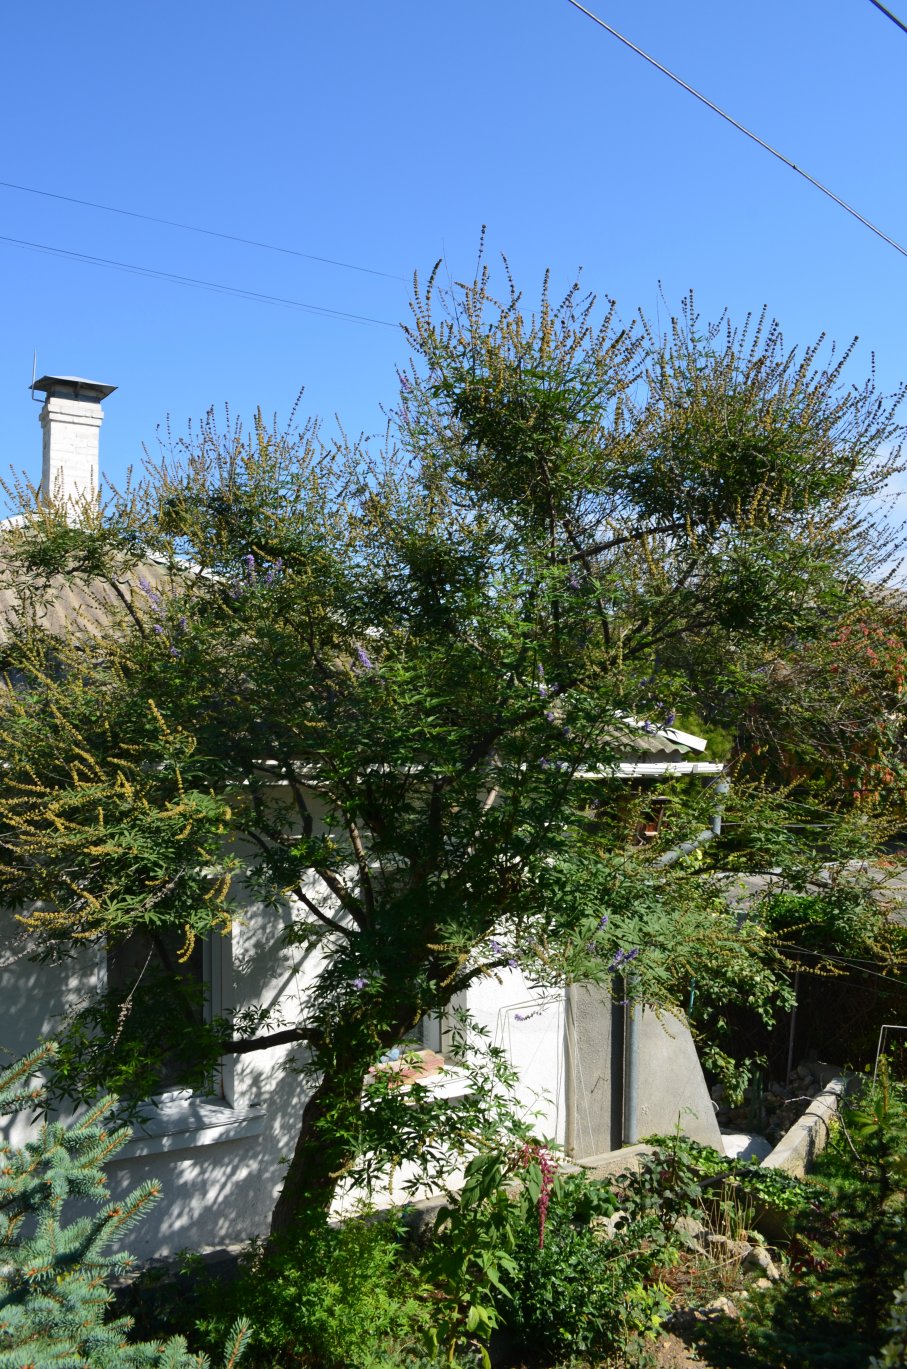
395, 687
53, 1296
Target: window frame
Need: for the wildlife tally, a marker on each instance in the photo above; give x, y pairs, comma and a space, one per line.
181, 1118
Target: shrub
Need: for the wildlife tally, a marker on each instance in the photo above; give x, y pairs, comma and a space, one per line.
847, 1256
325, 1297
582, 1292
53, 1296
525, 1250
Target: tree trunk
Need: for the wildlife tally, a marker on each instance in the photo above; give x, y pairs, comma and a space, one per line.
324, 1147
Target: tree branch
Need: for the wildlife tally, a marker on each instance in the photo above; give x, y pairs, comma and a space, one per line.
245, 1045
321, 916
342, 895
598, 547
368, 893
127, 605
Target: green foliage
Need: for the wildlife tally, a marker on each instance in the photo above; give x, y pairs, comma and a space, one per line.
847, 1256
525, 1249
333, 1298
470, 1257
580, 1291
414, 1130
53, 1296
395, 684
684, 1169
894, 1352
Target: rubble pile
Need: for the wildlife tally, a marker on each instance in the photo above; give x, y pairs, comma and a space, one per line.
773, 1109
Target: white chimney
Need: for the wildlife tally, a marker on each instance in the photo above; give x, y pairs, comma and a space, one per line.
71, 417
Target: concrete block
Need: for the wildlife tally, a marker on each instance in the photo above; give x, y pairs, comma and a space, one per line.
797, 1149
613, 1162
672, 1089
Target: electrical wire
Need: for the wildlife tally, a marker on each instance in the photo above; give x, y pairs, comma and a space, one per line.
194, 228
843, 960
887, 12
153, 273
741, 128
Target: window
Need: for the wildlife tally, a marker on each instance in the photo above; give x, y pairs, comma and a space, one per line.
144, 970
140, 968
162, 1001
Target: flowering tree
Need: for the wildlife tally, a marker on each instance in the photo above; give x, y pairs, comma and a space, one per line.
434, 648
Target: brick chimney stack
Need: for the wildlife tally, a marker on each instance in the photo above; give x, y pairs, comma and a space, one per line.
71, 417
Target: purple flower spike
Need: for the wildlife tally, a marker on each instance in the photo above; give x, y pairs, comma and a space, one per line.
513, 963
573, 582
670, 718
623, 958
603, 921
496, 947
364, 659
520, 1017
174, 652
359, 982
549, 716
158, 629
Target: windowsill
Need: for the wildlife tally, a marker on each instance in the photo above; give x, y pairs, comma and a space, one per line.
184, 1122
449, 1082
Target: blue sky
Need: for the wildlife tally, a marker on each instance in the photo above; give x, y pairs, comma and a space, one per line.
384, 136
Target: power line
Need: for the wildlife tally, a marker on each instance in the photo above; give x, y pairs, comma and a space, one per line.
843, 960
194, 228
153, 273
887, 12
742, 128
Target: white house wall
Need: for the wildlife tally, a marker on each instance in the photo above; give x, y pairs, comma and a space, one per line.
529, 1025
214, 1193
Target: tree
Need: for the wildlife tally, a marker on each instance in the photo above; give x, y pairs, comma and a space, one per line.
434, 648
53, 1296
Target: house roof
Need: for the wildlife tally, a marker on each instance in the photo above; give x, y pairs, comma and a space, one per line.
61, 605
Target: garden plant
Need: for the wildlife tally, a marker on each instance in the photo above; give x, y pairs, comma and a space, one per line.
54, 1274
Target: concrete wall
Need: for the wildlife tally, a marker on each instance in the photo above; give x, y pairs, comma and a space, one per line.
597, 1051
672, 1089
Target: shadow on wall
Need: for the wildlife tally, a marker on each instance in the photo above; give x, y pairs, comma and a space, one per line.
33, 1000
215, 1195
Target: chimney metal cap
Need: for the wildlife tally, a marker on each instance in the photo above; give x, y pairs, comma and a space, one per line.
73, 387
